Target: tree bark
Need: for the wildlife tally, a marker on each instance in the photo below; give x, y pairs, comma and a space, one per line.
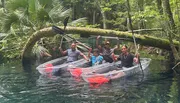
141, 23
94, 17
159, 6
104, 19
144, 40
3, 3
172, 26
103, 15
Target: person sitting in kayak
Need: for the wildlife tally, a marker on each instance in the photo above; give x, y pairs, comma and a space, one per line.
95, 59
126, 61
73, 53
106, 51
126, 58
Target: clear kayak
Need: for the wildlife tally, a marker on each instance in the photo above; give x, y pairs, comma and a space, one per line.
104, 67
59, 66
104, 75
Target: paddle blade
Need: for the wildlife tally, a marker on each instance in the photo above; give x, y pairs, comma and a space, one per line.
76, 72
48, 68
65, 22
98, 80
58, 30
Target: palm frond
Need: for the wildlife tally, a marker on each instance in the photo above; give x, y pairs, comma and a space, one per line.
79, 22
58, 13
81, 47
42, 15
8, 21
65, 13
38, 50
17, 4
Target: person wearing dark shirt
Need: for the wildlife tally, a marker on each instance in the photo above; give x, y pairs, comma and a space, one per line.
106, 51
126, 58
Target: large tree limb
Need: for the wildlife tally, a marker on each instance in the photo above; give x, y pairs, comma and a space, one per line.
143, 40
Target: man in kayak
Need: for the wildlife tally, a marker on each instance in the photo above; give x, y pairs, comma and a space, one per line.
126, 58
106, 51
95, 59
73, 53
126, 61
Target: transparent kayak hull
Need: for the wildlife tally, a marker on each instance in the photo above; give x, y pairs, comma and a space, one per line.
105, 67
103, 75
59, 66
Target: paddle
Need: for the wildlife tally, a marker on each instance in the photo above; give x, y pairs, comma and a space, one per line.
65, 22
134, 39
60, 31
175, 67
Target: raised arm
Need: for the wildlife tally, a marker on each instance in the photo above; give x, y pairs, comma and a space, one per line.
135, 59
62, 52
117, 46
118, 43
89, 53
84, 56
97, 43
47, 54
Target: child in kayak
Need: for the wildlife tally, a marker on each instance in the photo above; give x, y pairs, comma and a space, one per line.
95, 58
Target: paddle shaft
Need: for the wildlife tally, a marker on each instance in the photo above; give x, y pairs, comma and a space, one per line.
65, 24
62, 33
131, 27
107, 37
61, 41
78, 41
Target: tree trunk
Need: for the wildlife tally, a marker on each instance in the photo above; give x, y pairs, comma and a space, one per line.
3, 4
104, 19
159, 6
142, 24
172, 26
144, 40
73, 12
178, 13
103, 15
94, 17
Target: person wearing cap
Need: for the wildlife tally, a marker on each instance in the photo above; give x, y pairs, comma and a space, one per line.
95, 58
106, 51
73, 53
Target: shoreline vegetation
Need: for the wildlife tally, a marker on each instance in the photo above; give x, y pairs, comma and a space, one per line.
156, 23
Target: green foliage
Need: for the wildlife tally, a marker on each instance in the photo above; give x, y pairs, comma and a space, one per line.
23, 17
16, 4
9, 20
42, 15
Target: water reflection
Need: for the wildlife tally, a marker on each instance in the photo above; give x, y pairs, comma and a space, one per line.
17, 86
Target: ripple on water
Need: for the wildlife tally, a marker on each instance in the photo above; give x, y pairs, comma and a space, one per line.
17, 86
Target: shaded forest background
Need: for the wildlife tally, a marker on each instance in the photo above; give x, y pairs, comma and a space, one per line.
21, 18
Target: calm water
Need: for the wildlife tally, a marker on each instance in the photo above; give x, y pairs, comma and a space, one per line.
17, 86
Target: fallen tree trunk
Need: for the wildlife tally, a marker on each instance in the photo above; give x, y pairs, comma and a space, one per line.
143, 40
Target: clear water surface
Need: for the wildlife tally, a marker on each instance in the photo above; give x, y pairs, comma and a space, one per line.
18, 86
